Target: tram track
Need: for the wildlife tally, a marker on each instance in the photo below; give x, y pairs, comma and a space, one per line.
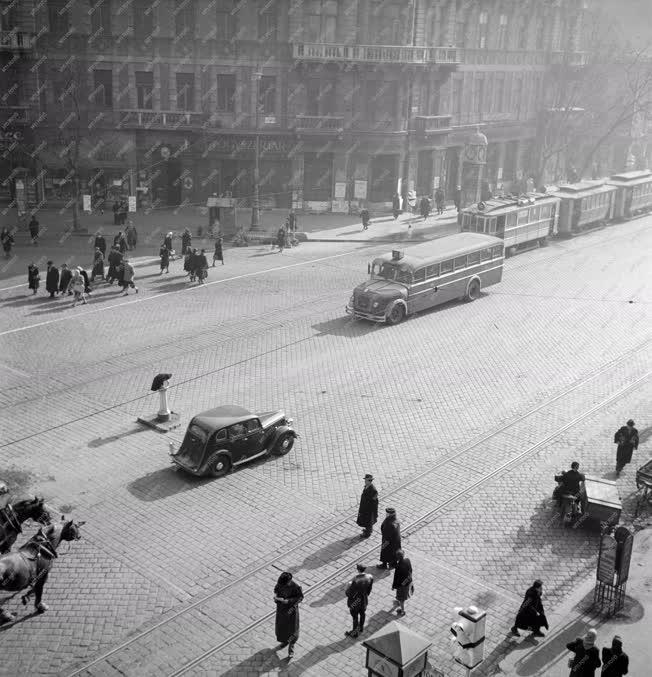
421, 520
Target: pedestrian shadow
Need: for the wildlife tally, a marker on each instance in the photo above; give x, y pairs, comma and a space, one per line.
268, 252
167, 287
21, 301
329, 553
101, 441
346, 326
332, 596
21, 619
262, 662
305, 662
164, 483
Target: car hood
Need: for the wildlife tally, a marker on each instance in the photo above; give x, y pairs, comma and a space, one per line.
384, 288
268, 418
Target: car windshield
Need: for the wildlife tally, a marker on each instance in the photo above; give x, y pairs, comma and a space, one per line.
389, 271
198, 433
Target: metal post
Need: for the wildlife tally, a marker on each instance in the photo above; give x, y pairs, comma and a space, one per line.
255, 207
164, 411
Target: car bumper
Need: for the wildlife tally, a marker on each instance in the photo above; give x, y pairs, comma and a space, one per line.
180, 464
365, 316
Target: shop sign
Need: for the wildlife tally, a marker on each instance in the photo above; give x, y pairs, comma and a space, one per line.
360, 190
132, 203
86, 202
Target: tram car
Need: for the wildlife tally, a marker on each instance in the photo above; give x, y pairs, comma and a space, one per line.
584, 205
633, 193
522, 222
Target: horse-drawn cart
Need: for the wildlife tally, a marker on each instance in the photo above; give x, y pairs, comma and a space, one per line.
644, 485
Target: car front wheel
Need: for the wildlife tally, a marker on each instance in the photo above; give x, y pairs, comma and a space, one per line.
283, 444
218, 465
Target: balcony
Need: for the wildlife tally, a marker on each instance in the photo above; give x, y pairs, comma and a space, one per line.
569, 58
156, 119
432, 124
319, 124
15, 40
374, 54
504, 57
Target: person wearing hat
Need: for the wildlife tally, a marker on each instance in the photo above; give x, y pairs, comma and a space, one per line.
587, 657
531, 615
368, 510
52, 279
402, 582
390, 530
627, 440
357, 598
615, 662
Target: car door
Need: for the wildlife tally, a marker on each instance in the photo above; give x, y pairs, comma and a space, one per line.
245, 440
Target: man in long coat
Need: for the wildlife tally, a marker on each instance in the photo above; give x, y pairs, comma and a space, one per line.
100, 243
368, 510
390, 531
64, 279
52, 279
627, 440
287, 595
531, 615
357, 598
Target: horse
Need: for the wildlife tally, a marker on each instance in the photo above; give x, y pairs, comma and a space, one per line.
13, 515
30, 565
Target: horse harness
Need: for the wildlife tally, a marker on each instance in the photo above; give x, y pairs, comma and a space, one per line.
43, 553
10, 519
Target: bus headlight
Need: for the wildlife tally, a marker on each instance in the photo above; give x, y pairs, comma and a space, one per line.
376, 304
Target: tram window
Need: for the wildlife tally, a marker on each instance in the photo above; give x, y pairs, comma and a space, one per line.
492, 225
523, 216
473, 258
545, 211
420, 275
583, 204
460, 262
432, 271
466, 221
510, 221
446, 267
534, 214
496, 251
485, 254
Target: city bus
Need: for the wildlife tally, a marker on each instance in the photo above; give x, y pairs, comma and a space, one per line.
404, 282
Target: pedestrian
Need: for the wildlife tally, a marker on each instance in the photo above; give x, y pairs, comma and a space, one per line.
390, 531
368, 510
439, 200
164, 253
116, 209
357, 598
615, 662
364, 217
127, 277
287, 595
7, 239
396, 206
192, 264
34, 229
587, 657
457, 198
402, 581
201, 264
122, 243
167, 241
132, 235
100, 243
187, 263
217, 254
627, 440
52, 279
76, 286
280, 238
87, 284
115, 260
486, 194
97, 269
425, 207
531, 615
33, 277
123, 212
64, 280
186, 241
292, 220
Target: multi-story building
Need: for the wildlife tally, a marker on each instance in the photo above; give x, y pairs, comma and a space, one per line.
350, 100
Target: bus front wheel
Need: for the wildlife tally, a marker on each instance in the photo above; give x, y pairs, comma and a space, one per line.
396, 314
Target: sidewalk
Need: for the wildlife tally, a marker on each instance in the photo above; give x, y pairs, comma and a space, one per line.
549, 657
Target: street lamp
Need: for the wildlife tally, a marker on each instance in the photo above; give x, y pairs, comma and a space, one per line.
255, 207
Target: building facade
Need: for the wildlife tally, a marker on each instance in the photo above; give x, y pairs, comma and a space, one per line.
350, 100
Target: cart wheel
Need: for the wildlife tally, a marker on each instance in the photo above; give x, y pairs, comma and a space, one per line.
283, 444
218, 465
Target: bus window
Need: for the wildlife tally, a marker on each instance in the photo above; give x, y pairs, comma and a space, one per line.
404, 276
446, 267
473, 258
496, 251
492, 225
510, 221
420, 275
460, 262
523, 216
432, 271
485, 254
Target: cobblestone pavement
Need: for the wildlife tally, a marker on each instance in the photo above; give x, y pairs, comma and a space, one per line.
398, 401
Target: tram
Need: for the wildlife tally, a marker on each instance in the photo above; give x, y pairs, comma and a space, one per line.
584, 205
633, 193
521, 222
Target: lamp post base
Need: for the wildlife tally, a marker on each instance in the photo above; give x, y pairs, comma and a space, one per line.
154, 423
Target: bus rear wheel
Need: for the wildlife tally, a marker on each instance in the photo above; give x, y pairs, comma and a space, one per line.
473, 292
396, 314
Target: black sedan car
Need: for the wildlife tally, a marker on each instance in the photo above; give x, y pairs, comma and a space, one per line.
219, 439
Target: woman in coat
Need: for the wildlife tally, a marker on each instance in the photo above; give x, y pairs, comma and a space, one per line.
167, 241
287, 595
627, 440
64, 279
98, 264
368, 510
402, 582
52, 279
217, 254
164, 254
186, 242
531, 615
390, 530
587, 658
132, 236
615, 662
77, 286
33, 277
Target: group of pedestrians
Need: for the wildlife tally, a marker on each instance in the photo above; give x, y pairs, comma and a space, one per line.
195, 261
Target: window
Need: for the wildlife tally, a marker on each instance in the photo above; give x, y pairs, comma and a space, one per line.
510, 221
220, 436
523, 216
253, 426
267, 94
502, 32
320, 97
381, 98
523, 31
185, 91
143, 19
226, 24
517, 93
321, 20
103, 88
499, 93
387, 22
184, 19
497, 251
420, 275
226, 93
238, 430
482, 30
144, 90
318, 176
460, 262
404, 276
64, 89
100, 12
492, 226
268, 21
534, 214
473, 258
58, 16
457, 97
478, 95
460, 34
485, 254
432, 271
446, 267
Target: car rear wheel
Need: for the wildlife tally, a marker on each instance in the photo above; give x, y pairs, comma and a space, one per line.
283, 444
396, 314
218, 465
474, 290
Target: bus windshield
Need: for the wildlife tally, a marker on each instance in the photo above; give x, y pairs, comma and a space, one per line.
389, 271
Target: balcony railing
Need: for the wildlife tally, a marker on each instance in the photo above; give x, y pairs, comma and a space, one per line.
161, 119
10, 40
519, 57
569, 58
432, 123
374, 53
319, 123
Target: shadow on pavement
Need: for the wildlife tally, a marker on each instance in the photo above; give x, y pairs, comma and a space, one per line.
329, 553
346, 326
101, 441
21, 619
22, 300
262, 662
336, 595
164, 483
